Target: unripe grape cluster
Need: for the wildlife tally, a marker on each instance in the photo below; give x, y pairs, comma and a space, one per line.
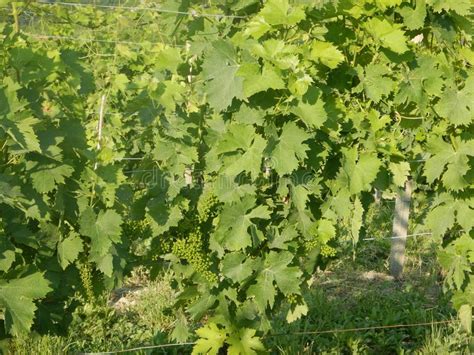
328, 251
136, 229
191, 249
85, 273
325, 250
206, 207
292, 298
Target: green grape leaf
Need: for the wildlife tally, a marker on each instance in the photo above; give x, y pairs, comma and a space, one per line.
23, 133
244, 342
257, 27
256, 81
457, 168
229, 191
181, 331
414, 19
290, 149
235, 219
465, 216
69, 249
237, 267
462, 7
388, 35
375, 81
299, 195
199, 307
104, 230
456, 162
464, 246
456, 266
168, 59
467, 54
220, 68
385, 4
7, 253
325, 230
263, 292
400, 172
211, 339
311, 109
466, 296
456, 106
275, 269
17, 297
280, 240
286, 277
420, 81
279, 12
250, 160
45, 180
326, 53
442, 154
440, 219
359, 172
163, 216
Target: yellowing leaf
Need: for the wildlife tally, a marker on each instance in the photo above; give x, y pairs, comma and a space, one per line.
326, 53
244, 342
385, 4
211, 339
296, 312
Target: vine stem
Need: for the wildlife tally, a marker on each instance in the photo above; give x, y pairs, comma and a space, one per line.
99, 139
100, 124
15, 17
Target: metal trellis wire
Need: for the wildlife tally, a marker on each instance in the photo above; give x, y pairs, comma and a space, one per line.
136, 8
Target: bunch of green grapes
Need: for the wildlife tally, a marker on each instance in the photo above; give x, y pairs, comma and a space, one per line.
325, 250
85, 273
292, 298
136, 229
206, 207
311, 244
165, 247
191, 249
328, 251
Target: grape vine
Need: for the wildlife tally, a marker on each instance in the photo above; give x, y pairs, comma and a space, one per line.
241, 144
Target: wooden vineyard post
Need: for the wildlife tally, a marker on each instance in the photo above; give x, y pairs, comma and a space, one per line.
400, 230
465, 316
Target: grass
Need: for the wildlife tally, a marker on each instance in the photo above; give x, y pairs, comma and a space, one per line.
347, 295
350, 293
